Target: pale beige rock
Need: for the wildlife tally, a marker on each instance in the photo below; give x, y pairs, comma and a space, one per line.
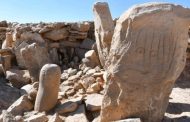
7, 117
19, 119
18, 54
8, 41
86, 82
130, 120
57, 34
94, 60
55, 118
66, 107
40, 117
83, 27
78, 116
18, 78
47, 94
64, 76
147, 55
32, 37
71, 71
20, 106
104, 27
35, 57
93, 102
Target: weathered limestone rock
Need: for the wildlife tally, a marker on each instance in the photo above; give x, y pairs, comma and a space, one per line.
48, 87
56, 35
18, 78
104, 27
66, 107
32, 36
92, 57
40, 117
19, 57
78, 116
35, 57
55, 118
8, 41
20, 106
94, 102
82, 27
130, 120
7, 117
147, 54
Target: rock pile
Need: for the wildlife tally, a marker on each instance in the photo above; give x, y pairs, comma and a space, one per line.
57, 71
71, 87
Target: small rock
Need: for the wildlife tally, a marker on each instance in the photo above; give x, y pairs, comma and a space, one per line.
64, 76
96, 87
66, 107
91, 72
55, 118
73, 78
88, 81
19, 119
40, 117
79, 73
20, 106
93, 102
72, 71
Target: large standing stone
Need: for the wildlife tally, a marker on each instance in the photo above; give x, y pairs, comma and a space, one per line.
104, 27
48, 87
35, 57
147, 54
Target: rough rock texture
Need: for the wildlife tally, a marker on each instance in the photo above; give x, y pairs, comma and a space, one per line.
78, 115
147, 54
35, 57
104, 27
8, 95
47, 95
40, 117
8, 41
93, 102
18, 78
20, 106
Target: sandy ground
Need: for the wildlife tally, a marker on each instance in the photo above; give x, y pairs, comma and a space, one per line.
179, 103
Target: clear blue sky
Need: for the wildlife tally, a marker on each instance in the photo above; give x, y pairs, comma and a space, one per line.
64, 10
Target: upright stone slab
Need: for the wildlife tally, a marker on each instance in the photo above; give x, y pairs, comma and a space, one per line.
8, 41
35, 57
47, 95
147, 54
104, 27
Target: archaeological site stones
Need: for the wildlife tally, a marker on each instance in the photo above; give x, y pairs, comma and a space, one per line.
134, 68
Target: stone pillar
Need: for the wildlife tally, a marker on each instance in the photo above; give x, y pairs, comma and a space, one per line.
104, 27
47, 95
8, 41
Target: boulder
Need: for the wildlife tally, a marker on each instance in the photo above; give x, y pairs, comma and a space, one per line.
23, 104
93, 58
47, 95
66, 107
32, 37
57, 34
147, 55
104, 28
93, 102
18, 78
35, 57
